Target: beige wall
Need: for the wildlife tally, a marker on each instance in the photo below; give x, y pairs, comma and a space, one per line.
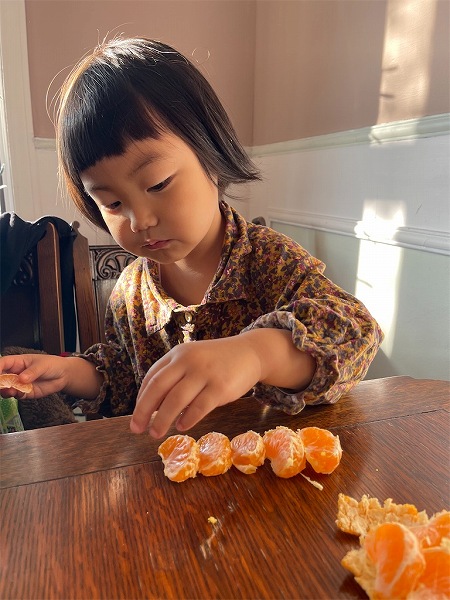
218, 34
324, 66
285, 69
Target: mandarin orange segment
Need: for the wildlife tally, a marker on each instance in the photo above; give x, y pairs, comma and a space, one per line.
10, 380
435, 579
322, 449
432, 533
215, 454
247, 451
285, 450
395, 551
181, 456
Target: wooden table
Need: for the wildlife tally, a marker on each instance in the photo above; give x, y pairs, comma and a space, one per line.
86, 511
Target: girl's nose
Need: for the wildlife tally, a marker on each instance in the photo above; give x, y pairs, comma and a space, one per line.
142, 218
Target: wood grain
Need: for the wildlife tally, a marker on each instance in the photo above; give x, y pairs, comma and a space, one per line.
131, 533
97, 445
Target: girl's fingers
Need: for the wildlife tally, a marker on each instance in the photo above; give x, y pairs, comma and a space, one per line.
152, 393
178, 400
12, 393
8, 364
197, 410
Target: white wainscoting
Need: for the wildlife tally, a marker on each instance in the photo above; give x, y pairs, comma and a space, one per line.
389, 184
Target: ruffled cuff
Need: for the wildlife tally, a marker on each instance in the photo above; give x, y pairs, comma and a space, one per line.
93, 406
322, 389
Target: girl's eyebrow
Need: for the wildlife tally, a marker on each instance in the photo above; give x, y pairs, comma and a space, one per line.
146, 160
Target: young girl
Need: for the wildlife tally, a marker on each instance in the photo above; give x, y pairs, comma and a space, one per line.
148, 152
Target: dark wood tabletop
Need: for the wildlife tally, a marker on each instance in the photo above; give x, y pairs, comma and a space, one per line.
86, 511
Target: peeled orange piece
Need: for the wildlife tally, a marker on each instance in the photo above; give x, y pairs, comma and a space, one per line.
10, 380
285, 450
403, 553
395, 551
215, 454
247, 451
322, 449
431, 533
181, 456
435, 580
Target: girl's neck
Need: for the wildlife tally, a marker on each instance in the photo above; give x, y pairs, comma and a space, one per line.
187, 280
183, 285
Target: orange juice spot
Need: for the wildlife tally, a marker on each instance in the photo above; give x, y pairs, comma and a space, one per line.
215, 454
285, 450
399, 562
181, 456
322, 449
247, 452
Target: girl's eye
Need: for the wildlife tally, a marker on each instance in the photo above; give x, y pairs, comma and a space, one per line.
112, 206
160, 186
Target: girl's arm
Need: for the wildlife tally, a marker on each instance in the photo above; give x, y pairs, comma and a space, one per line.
50, 374
282, 364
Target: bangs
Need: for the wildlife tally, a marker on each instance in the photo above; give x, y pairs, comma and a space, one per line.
102, 114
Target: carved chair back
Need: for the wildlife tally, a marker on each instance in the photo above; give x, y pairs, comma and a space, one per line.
107, 263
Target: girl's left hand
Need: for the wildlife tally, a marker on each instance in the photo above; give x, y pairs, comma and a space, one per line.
191, 380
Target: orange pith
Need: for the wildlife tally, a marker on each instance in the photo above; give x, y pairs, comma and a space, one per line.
322, 449
180, 455
395, 552
285, 450
247, 451
215, 454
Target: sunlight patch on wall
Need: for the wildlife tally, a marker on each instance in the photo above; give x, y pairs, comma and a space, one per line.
405, 76
379, 264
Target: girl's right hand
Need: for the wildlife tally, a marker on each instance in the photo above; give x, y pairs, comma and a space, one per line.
47, 373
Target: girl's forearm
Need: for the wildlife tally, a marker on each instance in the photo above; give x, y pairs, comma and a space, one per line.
282, 364
84, 381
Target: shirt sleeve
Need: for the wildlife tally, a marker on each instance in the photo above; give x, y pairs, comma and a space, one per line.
119, 390
333, 327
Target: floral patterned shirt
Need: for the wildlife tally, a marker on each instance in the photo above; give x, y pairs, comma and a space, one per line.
264, 279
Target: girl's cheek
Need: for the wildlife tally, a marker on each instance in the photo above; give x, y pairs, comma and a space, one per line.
117, 225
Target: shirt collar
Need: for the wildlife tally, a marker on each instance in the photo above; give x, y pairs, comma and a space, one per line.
231, 280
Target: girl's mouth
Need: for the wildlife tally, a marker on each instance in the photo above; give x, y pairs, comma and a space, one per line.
155, 244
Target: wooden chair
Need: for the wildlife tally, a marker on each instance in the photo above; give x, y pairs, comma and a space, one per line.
97, 269
32, 314
259, 221
31, 309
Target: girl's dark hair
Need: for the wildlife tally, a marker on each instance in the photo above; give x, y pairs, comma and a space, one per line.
131, 89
